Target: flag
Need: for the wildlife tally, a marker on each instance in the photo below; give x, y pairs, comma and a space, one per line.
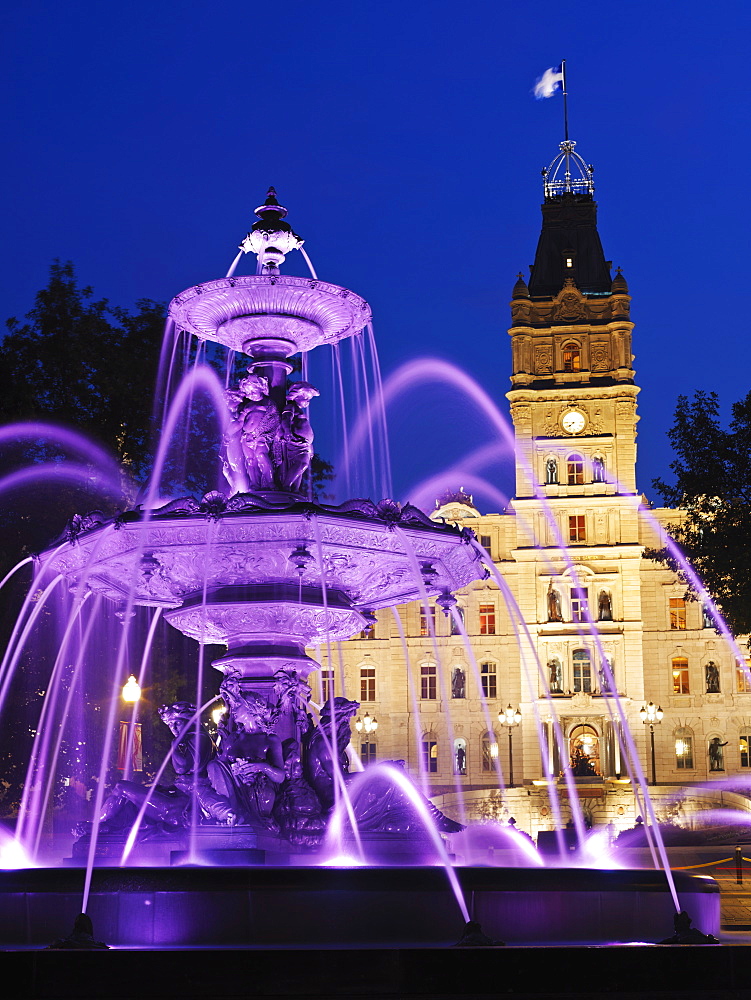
551, 81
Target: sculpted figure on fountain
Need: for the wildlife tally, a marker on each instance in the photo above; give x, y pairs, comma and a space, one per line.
250, 765
325, 749
265, 448
298, 810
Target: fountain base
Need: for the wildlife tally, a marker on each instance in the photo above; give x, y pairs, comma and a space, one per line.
334, 907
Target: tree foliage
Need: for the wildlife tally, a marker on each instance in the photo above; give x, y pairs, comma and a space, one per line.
712, 488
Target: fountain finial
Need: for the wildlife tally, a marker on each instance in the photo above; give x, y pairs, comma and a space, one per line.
271, 238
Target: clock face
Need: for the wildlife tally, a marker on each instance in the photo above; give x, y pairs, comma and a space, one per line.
573, 421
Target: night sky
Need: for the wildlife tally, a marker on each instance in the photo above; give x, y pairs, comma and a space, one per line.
404, 139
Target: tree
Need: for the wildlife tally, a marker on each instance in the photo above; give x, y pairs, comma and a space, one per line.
712, 489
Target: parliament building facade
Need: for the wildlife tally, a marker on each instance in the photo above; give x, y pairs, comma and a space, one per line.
576, 611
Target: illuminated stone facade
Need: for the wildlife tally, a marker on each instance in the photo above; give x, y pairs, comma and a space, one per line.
570, 550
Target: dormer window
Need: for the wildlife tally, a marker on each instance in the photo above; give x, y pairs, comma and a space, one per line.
572, 358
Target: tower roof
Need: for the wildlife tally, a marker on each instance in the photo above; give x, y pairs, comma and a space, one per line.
569, 244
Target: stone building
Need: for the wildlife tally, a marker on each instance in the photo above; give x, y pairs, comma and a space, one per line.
577, 613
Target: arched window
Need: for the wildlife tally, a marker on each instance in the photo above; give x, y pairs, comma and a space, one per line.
584, 748
744, 746
430, 754
575, 470
489, 751
572, 357
582, 671
460, 756
598, 469
684, 748
679, 671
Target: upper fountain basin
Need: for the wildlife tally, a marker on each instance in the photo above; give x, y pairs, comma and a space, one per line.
278, 315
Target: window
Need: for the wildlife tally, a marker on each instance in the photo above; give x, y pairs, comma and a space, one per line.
679, 667
460, 756
424, 626
579, 599
430, 756
684, 749
743, 676
428, 681
367, 683
368, 753
576, 528
487, 619
677, 613
745, 737
369, 631
582, 671
598, 470
327, 685
575, 470
489, 751
485, 541
456, 611
488, 680
571, 358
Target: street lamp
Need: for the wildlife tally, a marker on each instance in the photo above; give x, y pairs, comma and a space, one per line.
510, 717
129, 750
652, 716
369, 725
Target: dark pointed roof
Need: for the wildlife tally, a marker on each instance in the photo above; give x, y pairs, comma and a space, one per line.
569, 230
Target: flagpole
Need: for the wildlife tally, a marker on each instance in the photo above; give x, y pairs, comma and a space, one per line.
565, 101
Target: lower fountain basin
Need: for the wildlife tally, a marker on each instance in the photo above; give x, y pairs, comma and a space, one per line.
331, 907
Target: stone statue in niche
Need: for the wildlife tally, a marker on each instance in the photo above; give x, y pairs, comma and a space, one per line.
712, 677
598, 469
555, 676
296, 438
716, 755
458, 683
554, 604
460, 763
169, 808
250, 765
604, 607
551, 472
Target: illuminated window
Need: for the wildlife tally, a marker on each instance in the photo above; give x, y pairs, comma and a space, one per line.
488, 679
679, 668
582, 671
430, 756
569, 262
424, 626
743, 676
677, 613
575, 470
460, 756
576, 528
367, 684
327, 685
684, 749
745, 739
428, 681
489, 751
579, 598
572, 358
487, 619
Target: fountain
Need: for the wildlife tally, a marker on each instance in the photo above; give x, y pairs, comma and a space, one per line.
268, 572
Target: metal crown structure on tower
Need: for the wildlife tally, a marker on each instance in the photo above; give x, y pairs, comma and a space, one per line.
568, 173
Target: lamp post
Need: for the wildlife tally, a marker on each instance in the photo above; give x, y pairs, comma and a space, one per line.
510, 717
369, 725
129, 751
651, 716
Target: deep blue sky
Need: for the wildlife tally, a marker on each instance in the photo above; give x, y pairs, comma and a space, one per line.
404, 140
